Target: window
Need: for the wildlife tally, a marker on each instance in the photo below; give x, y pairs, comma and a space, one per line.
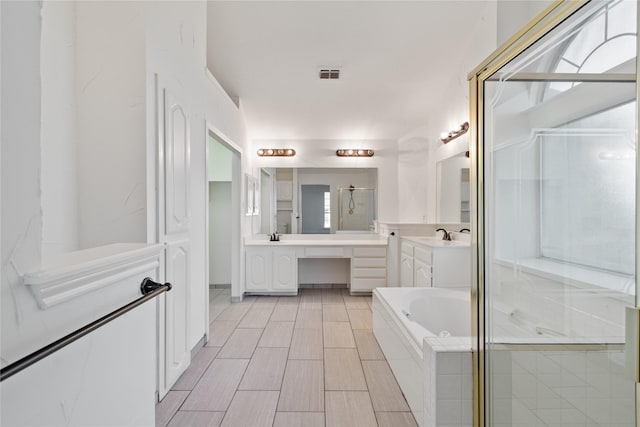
327, 209
587, 191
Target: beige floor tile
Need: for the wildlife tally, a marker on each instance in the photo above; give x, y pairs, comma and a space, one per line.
267, 299
289, 300
196, 419
169, 406
334, 313
240, 344
332, 296
276, 334
367, 344
198, 365
311, 299
257, 316
349, 409
396, 419
360, 319
215, 310
309, 315
215, 389
306, 344
303, 387
248, 300
265, 370
234, 312
220, 331
338, 334
284, 313
355, 302
308, 324
342, 370
299, 419
385, 392
251, 409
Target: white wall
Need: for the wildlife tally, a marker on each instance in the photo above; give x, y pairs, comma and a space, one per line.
176, 51
123, 45
420, 149
110, 88
21, 214
58, 131
219, 161
513, 15
219, 232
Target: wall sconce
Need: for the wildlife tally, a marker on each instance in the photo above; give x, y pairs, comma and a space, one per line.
462, 129
354, 152
276, 152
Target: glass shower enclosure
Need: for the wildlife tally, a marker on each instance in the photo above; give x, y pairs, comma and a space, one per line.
554, 157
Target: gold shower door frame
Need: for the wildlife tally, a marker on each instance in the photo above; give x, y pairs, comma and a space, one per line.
534, 30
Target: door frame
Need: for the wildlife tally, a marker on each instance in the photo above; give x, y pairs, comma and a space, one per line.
236, 216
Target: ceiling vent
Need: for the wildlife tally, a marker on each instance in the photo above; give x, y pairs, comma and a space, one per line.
329, 73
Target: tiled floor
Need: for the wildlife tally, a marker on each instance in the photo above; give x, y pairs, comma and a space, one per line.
310, 360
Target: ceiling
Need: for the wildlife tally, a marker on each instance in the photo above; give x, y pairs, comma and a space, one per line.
393, 57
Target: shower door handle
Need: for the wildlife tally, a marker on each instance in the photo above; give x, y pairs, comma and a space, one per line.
632, 343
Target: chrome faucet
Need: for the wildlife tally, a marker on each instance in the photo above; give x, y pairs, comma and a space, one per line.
445, 235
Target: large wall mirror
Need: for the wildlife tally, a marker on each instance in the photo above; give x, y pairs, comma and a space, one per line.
318, 200
452, 180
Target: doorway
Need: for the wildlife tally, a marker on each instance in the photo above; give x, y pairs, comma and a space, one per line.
223, 227
315, 208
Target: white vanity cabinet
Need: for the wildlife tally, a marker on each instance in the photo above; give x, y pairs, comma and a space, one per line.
437, 264
272, 270
406, 264
368, 269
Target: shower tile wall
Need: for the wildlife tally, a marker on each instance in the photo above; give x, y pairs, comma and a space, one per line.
560, 388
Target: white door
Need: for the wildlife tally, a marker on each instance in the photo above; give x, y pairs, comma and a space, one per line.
285, 275
422, 274
406, 270
258, 270
173, 224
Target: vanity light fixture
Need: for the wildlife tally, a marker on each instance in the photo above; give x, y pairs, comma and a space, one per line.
462, 129
276, 152
354, 152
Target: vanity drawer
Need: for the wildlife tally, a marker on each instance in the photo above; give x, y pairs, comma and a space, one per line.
369, 272
370, 252
324, 252
369, 262
423, 254
359, 285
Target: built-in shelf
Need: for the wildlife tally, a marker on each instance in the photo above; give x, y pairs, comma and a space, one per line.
76, 273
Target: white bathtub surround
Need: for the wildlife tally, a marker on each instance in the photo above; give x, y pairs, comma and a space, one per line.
448, 376
407, 324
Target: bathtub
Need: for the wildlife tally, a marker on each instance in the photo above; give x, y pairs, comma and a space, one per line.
424, 334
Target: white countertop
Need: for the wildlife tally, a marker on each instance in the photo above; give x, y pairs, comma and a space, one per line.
318, 240
435, 242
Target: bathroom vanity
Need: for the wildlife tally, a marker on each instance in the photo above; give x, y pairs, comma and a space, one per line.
272, 267
431, 262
